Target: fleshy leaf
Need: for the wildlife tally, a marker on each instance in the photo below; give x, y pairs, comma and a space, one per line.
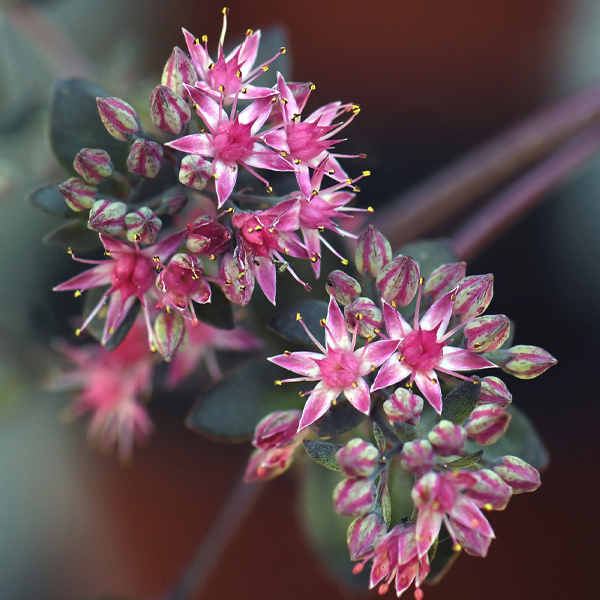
75, 235
287, 326
51, 201
323, 453
461, 401
338, 419
231, 407
218, 312
379, 438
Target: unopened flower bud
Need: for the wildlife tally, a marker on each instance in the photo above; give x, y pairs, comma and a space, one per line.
168, 110
487, 424
398, 281
119, 118
417, 457
489, 490
237, 278
208, 237
142, 226
78, 194
342, 287
354, 497
277, 429
169, 333
518, 474
363, 534
443, 279
195, 171
93, 165
144, 158
484, 334
178, 70
494, 391
363, 315
107, 217
373, 251
526, 362
403, 407
357, 458
447, 438
473, 296
268, 464
172, 203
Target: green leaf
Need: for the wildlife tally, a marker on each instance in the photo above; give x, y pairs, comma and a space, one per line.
75, 235
218, 312
288, 327
400, 483
323, 453
379, 438
76, 124
461, 401
231, 408
51, 201
338, 419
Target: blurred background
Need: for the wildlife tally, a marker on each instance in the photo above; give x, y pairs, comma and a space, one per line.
434, 79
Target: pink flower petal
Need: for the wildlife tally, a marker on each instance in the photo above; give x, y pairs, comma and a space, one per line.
248, 51
265, 158
325, 114
91, 278
317, 404
226, 175
199, 56
439, 312
118, 307
257, 113
391, 372
374, 355
303, 179
277, 139
313, 242
336, 334
465, 512
359, 396
198, 143
456, 359
432, 391
165, 248
395, 324
210, 111
429, 522
471, 541
266, 274
291, 107
302, 363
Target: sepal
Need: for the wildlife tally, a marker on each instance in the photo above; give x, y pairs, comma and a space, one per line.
119, 118
357, 458
178, 71
472, 297
484, 334
518, 474
373, 251
417, 457
342, 287
169, 334
487, 424
169, 111
107, 217
447, 438
78, 194
403, 407
93, 165
142, 226
354, 497
398, 281
364, 316
195, 171
144, 158
444, 279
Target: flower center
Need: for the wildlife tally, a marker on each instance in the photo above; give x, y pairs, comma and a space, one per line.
233, 141
421, 350
339, 369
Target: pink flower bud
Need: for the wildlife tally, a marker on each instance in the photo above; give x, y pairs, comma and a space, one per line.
178, 70
494, 391
78, 194
119, 118
277, 429
518, 474
107, 217
172, 203
398, 281
373, 251
144, 158
473, 296
208, 237
142, 226
417, 457
354, 497
342, 287
357, 458
363, 534
169, 334
237, 277
168, 110
487, 424
403, 407
363, 314
93, 165
268, 464
484, 334
195, 171
527, 362
489, 490
447, 438
444, 279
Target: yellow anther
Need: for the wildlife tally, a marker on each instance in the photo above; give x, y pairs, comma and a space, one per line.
349, 181
331, 171
421, 281
370, 210
265, 68
359, 316
228, 282
156, 258
225, 11
77, 293
137, 237
287, 352
244, 90
434, 380
205, 38
111, 330
355, 109
393, 304
107, 253
400, 357
366, 173
241, 274
238, 73
221, 88
258, 228
297, 161
313, 87
286, 250
78, 332
250, 230
215, 175
314, 193
376, 330
284, 101
273, 100
211, 66
313, 259
69, 251
435, 505
322, 322
212, 257
298, 317
278, 382
356, 189
283, 153
344, 261
269, 189
243, 288
196, 42
249, 32
457, 547
487, 506
168, 310
282, 50
321, 228
355, 385
334, 403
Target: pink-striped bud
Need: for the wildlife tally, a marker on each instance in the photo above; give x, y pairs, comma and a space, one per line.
447, 438
354, 497
277, 429
342, 287
473, 296
487, 424
373, 251
398, 281
169, 334
444, 279
357, 458
172, 203
119, 118
208, 237
363, 534
363, 315
268, 464
403, 407
144, 158
195, 171
178, 70
489, 490
518, 474
78, 194
107, 217
417, 457
526, 362
494, 391
93, 165
484, 334
237, 278
142, 226
168, 110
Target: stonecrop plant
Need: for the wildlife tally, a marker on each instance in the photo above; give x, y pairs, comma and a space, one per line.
393, 378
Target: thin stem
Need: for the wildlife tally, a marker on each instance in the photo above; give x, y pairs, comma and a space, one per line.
523, 195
